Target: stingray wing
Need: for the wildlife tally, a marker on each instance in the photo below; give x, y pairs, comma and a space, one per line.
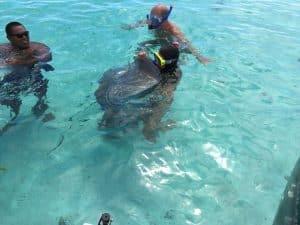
119, 85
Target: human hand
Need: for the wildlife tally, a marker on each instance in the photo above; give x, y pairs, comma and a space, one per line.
142, 55
204, 60
45, 66
126, 27
11, 61
176, 44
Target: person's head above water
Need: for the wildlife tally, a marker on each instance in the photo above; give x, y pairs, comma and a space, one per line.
158, 15
17, 35
166, 58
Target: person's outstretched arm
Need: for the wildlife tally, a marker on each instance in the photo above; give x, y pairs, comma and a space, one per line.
135, 25
177, 33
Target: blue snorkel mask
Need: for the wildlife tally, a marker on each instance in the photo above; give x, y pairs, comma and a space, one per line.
156, 21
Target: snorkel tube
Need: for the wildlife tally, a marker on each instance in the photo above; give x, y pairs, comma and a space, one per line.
155, 21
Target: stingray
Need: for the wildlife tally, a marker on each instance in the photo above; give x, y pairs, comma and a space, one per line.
119, 85
124, 93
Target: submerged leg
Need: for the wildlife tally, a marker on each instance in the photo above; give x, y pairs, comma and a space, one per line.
109, 119
152, 121
40, 89
150, 129
39, 108
14, 105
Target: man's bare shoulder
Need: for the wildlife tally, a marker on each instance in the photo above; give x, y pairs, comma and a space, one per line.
174, 28
38, 46
5, 48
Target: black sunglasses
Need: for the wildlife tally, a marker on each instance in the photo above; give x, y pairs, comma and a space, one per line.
25, 33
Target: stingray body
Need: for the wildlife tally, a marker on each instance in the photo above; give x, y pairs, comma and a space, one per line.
123, 93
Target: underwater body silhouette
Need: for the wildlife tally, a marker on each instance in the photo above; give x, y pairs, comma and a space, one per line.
288, 212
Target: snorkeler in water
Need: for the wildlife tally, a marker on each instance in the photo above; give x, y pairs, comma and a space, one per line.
141, 91
158, 20
166, 59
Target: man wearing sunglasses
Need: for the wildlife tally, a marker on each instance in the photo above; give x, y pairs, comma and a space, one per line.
24, 60
20, 51
158, 20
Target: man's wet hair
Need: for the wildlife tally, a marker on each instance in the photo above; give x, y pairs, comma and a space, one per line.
10, 25
169, 52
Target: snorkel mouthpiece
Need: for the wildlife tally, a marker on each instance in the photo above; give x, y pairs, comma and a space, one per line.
156, 21
161, 62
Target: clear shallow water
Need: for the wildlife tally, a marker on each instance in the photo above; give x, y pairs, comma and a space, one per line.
237, 131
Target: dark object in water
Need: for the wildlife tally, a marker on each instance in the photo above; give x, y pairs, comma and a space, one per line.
64, 221
61, 221
105, 219
288, 212
3, 169
48, 117
60, 141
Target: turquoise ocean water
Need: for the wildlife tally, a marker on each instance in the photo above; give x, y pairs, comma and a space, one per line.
237, 132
